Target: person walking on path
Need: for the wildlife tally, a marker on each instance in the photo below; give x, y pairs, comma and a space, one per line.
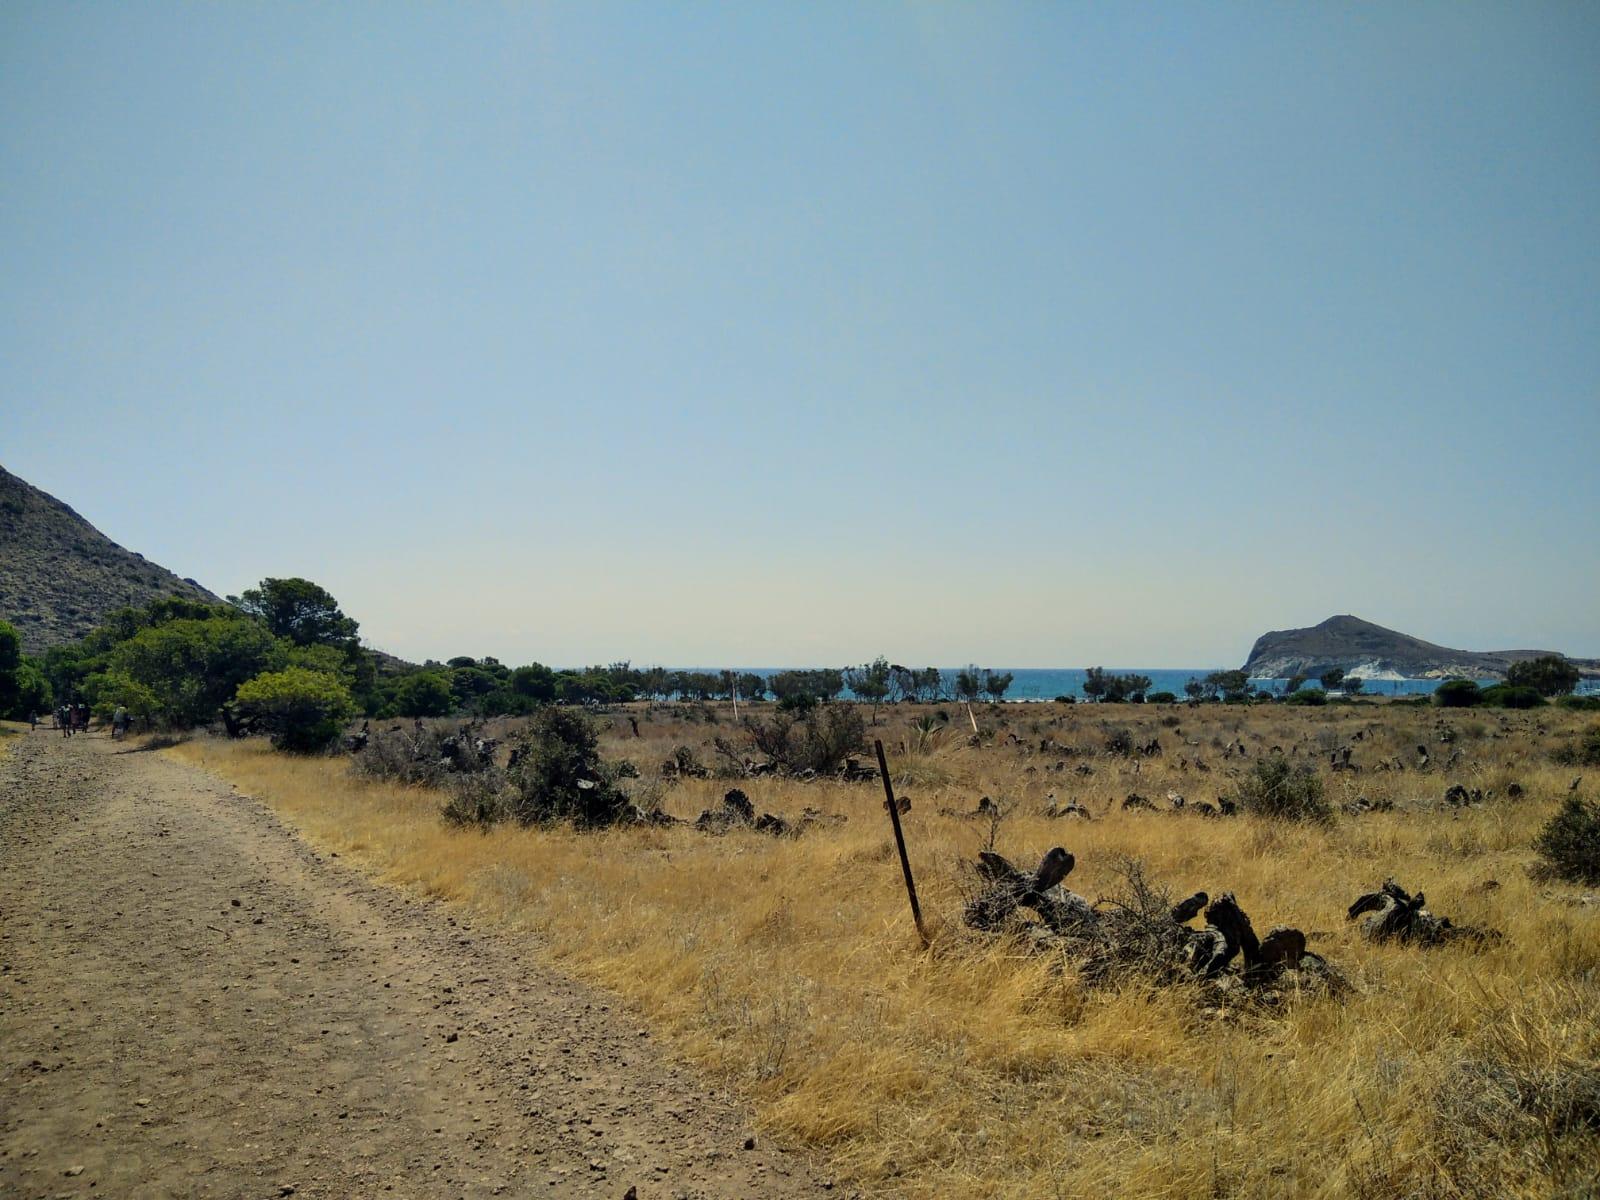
119, 723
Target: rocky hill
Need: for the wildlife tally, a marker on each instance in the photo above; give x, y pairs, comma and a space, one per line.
59, 575
1369, 650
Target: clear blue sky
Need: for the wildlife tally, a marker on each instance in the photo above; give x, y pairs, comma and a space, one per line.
1037, 335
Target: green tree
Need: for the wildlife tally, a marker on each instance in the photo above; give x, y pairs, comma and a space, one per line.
813, 686
424, 694
184, 671
535, 681
10, 666
1331, 680
1234, 685
870, 683
1354, 685
1550, 675
298, 610
303, 711
997, 683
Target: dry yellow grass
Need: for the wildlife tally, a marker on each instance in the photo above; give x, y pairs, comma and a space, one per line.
976, 1069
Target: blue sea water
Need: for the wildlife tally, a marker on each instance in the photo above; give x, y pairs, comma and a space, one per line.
1046, 683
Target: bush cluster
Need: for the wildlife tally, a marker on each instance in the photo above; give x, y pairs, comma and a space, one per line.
1585, 752
555, 775
1275, 788
1569, 843
817, 742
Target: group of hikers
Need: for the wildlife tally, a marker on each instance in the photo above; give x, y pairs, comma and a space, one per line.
74, 718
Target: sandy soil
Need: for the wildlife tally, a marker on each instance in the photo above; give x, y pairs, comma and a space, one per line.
195, 1003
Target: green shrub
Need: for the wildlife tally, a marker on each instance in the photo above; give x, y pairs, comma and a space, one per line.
1458, 693
1311, 696
1585, 752
1504, 695
303, 711
1580, 703
1569, 843
819, 742
1274, 788
559, 775
1162, 697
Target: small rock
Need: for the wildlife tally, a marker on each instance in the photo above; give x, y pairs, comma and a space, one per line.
749, 1143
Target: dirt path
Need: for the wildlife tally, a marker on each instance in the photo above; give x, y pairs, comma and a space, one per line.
194, 1003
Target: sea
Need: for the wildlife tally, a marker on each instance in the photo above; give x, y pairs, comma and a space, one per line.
1034, 684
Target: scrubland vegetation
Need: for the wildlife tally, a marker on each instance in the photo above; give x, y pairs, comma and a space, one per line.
985, 1066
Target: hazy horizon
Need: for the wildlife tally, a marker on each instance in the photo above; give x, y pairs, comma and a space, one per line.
1004, 334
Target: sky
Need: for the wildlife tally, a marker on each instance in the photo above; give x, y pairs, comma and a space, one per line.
1031, 335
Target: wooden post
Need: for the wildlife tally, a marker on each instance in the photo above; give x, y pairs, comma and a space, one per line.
900, 842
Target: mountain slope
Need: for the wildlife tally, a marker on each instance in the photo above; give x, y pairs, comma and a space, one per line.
1360, 646
59, 575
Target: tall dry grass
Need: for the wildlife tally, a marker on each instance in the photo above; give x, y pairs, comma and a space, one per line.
978, 1069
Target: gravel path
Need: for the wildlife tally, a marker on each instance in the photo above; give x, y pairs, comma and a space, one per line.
195, 1003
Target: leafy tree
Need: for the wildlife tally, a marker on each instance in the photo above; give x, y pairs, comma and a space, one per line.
1115, 689
23, 686
423, 694
1550, 675
1458, 693
535, 681
298, 610
1294, 684
996, 683
1331, 680
1196, 690
870, 683
819, 685
302, 710
1234, 685
470, 683
10, 665
33, 694
183, 672
1354, 685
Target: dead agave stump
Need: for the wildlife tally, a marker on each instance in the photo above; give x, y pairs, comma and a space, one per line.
1396, 915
